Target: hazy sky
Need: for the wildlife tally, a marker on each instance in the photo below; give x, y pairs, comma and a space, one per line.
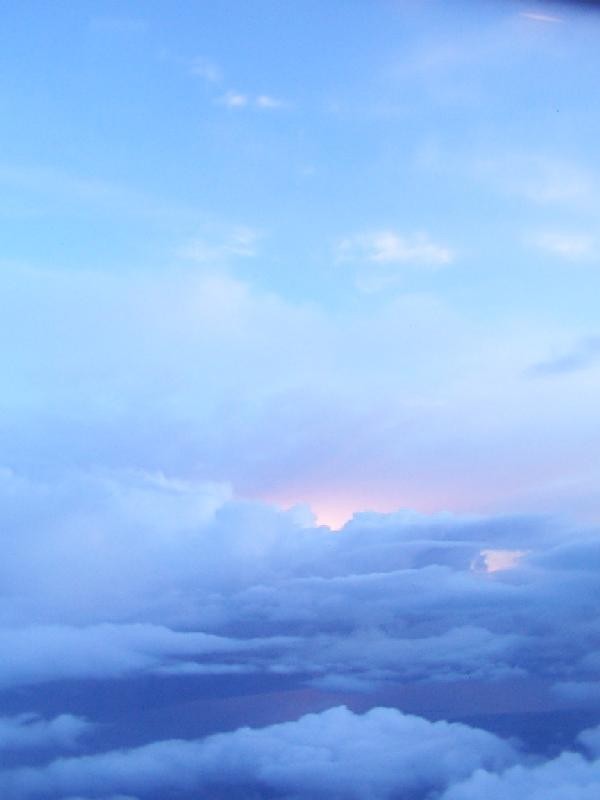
337, 253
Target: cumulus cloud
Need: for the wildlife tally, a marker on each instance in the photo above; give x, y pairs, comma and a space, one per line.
29, 731
217, 586
564, 778
378, 754
590, 740
128, 575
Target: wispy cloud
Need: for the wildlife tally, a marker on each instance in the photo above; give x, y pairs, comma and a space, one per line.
207, 70
266, 101
381, 258
54, 188
241, 242
119, 25
537, 16
570, 246
233, 99
238, 100
389, 247
585, 354
541, 178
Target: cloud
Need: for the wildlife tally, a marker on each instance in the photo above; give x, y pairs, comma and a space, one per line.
30, 731
382, 257
570, 246
389, 247
206, 69
194, 374
233, 99
564, 778
378, 754
583, 356
541, 178
42, 654
538, 17
266, 101
53, 189
221, 587
375, 406
590, 740
142, 577
112, 797
238, 100
240, 243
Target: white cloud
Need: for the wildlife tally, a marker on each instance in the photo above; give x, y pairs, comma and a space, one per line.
266, 101
242, 385
50, 653
536, 16
207, 70
30, 731
542, 178
570, 246
233, 99
382, 258
241, 242
389, 247
567, 777
337, 753
238, 100
388, 598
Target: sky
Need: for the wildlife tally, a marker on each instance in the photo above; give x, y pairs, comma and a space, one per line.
299, 487
343, 256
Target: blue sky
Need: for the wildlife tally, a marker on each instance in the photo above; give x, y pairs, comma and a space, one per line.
342, 254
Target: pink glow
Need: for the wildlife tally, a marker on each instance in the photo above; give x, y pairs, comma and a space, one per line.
501, 560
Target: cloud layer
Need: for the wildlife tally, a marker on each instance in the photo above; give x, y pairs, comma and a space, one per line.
335, 753
118, 574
